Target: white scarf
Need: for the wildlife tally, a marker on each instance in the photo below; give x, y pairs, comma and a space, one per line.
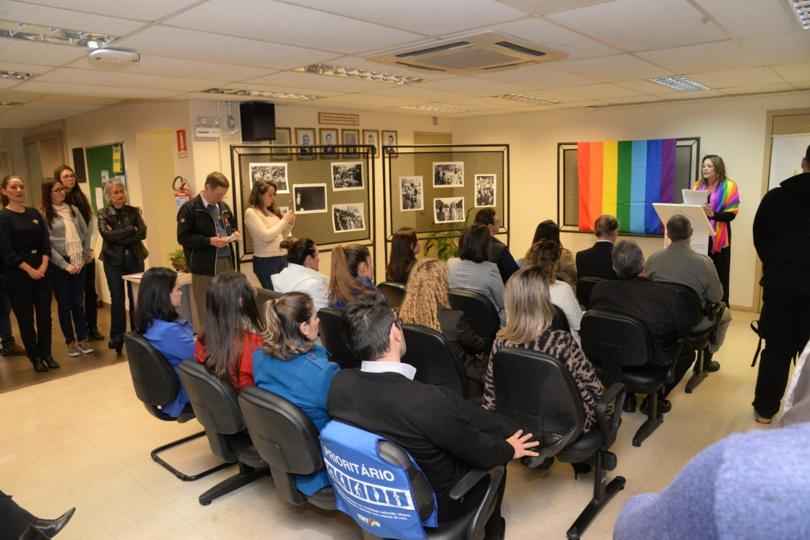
73, 243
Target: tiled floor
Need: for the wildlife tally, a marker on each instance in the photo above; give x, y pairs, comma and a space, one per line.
84, 441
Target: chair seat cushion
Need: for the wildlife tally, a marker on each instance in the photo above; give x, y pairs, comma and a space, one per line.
242, 447
644, 379
584, 447
323, 498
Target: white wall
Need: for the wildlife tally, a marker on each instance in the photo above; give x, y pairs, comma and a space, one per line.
734, 129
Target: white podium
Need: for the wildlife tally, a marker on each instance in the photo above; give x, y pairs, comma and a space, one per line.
701, 227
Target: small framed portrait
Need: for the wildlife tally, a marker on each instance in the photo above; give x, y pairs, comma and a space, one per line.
351, 138
485, 185
389, 138
305, 138
348, 217
371, 137
448, 174
309, 198
274, 172
411, 193
448, 210
347, 175
283, 138
329, 139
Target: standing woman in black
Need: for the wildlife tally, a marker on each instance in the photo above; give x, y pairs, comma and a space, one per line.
25, 249
74, 196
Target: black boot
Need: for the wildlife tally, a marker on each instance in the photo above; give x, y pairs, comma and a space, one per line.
39, 365
117, 344
52, 527
630, 403
50, 362
94, 335
710, 365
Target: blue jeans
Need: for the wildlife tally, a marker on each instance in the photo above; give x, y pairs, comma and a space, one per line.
68, 289
265, 267
115, 281
5, 317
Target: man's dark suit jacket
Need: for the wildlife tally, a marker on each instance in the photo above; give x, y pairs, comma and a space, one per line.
661, 308
596, 261
446, 435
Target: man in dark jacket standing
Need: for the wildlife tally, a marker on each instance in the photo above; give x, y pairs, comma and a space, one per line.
205, 229
783, 245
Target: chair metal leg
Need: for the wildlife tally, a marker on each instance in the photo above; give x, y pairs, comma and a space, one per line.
654, 419
601, 495
700, 372
247, 474
178, 474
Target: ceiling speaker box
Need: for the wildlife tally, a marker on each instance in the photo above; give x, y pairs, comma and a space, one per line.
258, 121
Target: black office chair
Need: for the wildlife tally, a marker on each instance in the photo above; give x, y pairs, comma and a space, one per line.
585, 285
156, 385
538, 392
217, 410
395, 292
698, 340
621, 349
262, 297
329, 329
481, 312
434, 359
560, 320
287, 440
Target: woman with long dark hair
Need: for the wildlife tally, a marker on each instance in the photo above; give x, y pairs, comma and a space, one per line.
74, 196
232, 331
301, 274
405, 247
70, 244
268, 228
123, 229
291, 365
472, 269
567, 264
25, 251
352, 274
156, 319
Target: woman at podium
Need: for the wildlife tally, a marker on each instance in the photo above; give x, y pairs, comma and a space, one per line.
721, 209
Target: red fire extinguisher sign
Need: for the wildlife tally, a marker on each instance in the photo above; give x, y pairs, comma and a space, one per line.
182, 145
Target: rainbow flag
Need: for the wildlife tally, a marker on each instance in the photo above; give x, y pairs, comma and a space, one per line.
623, 179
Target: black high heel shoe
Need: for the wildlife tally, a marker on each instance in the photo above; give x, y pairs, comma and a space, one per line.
52, 527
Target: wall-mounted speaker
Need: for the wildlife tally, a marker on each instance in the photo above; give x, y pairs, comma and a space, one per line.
258, 121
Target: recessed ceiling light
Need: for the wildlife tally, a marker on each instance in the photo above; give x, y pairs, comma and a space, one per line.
16, 75
802, 10
47, 34
433, 109
10, 103
527, 99
259, 93
681, 84
357, 73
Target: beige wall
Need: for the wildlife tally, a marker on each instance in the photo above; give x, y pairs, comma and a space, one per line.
734, 129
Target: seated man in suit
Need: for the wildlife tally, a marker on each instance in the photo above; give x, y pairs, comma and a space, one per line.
679, 264
446, 435
661, 308
597, 261
498, 251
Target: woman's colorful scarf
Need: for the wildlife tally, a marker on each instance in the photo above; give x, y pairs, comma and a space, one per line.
724, 198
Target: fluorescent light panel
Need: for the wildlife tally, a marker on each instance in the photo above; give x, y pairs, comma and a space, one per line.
47, 34
527, 99
682, 84
16, 75
802, 10
357, 73
433, 109
259, 93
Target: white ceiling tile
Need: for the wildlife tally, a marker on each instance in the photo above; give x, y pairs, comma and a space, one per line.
17, 123
302, 27
474, 85
748, 18
737, 77
192, 45
23, 68
335, 105
14, 95
782, 48
88, 101
598, 91
553, 96
313, 81
280, 88
802, 85
544, 7
537, 77
720, 55
105, 91
691, 95
174, 67
639, 25
489, 103
369, 100
621, 67
143, 10
82, 77
403, 71
429, 17
794, 72
548, 34
577, 105
416, 92
9, 83
645, 87
66, 19
760, 89
631, 99
23, 51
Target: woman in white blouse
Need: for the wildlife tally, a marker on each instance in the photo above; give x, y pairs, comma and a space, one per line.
267, 227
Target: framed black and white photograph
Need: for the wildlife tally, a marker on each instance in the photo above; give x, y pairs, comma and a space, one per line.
351, 138
348, 217
283, 138
371, 137
389, 138
448, 209
305, 137
347, 175
448, 174
485, 185
272, 172
329, 139
411, 193
309, 198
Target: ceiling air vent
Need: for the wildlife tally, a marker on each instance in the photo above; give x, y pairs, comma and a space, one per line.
482, 52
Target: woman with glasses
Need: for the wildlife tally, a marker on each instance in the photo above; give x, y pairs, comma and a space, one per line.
76, 197
70, 244
123, 230
25, 250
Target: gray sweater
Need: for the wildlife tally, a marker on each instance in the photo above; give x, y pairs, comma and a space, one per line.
57, 229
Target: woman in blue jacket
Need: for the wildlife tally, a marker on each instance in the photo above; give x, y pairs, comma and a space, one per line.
157, 320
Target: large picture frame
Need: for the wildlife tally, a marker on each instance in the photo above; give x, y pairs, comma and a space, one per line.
371, 137
448, 174
448, 210
283, 138
486, 190
309, 198
329, 139
347, 176
275, 172
351, 139
411, 193
348, 217
305, 137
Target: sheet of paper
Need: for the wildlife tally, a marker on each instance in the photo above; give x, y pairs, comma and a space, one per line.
695, 198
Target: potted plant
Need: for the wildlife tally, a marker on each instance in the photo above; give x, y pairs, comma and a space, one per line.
178, 260
446, 242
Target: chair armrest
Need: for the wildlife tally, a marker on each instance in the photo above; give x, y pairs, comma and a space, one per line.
615, 394
677, 347
472, 478
713, 310
475, 529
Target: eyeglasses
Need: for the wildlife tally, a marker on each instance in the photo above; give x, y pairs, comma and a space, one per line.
69, 177
58, 190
